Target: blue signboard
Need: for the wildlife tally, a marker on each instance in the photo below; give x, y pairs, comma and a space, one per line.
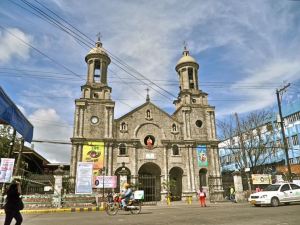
10, 114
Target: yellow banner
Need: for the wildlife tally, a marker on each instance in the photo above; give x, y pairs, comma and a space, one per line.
94, 152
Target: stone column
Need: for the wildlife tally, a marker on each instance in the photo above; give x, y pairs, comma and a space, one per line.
73, 160
58, 175
238, 187
106, 114
76, 124
81, 121
188, 169
192, 169
165, 176
91, 71
79, 153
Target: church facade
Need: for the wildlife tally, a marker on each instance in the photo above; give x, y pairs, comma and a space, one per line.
162, 153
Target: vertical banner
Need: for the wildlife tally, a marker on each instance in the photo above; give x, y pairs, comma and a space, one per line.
94, 152
202, 156
6, 170
84, 178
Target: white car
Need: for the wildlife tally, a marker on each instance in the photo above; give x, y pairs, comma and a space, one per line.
275, 194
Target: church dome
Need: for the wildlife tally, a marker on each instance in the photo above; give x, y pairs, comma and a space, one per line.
97, 52
186, 58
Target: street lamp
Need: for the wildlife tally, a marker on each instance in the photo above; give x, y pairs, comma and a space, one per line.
102, 171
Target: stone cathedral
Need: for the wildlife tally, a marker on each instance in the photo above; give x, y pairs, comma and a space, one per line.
161, 152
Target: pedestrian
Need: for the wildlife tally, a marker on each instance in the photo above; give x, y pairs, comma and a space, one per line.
257, 189
232, 194
13, 204
202, 196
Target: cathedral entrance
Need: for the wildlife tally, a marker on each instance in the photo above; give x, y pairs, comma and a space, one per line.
149, 181
175, 176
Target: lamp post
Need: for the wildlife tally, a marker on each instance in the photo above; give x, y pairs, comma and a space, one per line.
102, 171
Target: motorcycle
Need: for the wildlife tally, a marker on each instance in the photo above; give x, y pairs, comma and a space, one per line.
114, 204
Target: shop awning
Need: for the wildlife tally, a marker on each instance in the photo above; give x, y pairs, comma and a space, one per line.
10, 114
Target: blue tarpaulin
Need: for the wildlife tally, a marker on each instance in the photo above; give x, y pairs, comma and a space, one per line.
10, 114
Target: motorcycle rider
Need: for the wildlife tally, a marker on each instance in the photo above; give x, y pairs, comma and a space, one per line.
127, 195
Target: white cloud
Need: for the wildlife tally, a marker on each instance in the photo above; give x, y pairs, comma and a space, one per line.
11, 47
49, 126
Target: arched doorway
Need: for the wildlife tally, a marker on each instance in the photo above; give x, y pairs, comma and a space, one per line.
175, 180
123, 176
149, 181
202, 177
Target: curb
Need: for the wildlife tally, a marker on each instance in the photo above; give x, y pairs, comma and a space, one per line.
40, 211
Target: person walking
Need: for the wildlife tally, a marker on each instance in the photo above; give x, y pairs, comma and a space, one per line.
202, 196
232, 194
13, 204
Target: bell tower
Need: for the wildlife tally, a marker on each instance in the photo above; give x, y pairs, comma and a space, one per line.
94, 110
97, 64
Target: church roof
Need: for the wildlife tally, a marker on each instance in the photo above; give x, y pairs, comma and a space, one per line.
142, 106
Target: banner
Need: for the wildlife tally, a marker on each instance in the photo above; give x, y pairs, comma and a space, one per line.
84, 177
261, 179
94, 152
6, 170
202, 156
109, 182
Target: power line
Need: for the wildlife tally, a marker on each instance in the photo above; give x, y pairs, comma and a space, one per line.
31, 46
52, 20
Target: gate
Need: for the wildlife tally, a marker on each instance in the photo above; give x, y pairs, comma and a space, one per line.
151, 186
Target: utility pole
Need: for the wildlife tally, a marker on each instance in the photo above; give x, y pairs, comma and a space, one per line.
279, 93
18, 164
243, 149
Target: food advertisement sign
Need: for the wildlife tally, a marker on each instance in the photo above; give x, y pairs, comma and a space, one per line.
94, 152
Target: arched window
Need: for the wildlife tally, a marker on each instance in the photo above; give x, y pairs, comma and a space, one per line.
97, 71
123, 126
174, 127
175, 150
122, 149
148, 114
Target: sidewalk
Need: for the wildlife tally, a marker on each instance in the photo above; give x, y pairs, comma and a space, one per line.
92, 209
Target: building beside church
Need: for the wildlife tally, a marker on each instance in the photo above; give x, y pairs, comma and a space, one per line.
154, 147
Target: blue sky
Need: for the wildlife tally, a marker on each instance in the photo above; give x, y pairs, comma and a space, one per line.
245, 49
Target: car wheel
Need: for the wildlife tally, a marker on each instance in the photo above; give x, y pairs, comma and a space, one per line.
274, 202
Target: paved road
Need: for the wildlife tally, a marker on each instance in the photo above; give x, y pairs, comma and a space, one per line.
215, 214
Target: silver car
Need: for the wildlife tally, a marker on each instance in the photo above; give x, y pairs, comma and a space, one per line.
275, 194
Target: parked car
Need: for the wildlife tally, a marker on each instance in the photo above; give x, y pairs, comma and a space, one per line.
276, 194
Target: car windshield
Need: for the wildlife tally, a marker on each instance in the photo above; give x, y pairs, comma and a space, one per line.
273, 187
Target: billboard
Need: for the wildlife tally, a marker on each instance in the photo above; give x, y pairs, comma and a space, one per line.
261, 179
94, 152
202, 155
